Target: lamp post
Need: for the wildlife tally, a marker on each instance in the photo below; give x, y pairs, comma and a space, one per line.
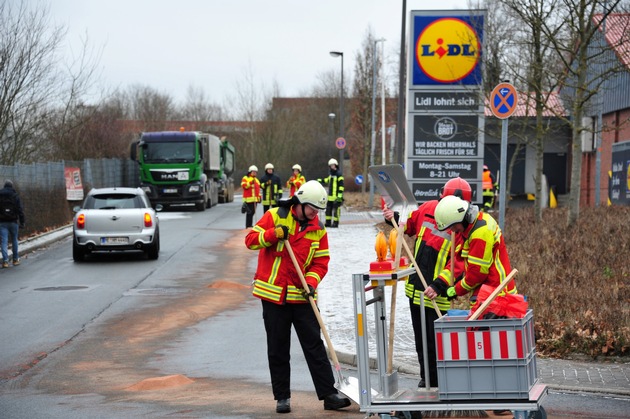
373, 142
331, 118
341, 118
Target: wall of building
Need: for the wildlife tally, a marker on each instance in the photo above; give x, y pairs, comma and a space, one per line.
616, 129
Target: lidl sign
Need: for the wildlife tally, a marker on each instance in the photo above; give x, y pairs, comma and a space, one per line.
447, 50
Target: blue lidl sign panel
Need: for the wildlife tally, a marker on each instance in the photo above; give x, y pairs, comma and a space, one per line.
447, 49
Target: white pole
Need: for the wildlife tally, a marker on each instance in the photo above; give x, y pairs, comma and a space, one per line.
383, 161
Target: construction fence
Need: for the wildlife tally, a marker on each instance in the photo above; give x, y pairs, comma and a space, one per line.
43, 187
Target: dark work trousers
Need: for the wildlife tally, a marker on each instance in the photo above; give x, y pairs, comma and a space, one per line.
278, 320
249, 217
416, 321
333, 213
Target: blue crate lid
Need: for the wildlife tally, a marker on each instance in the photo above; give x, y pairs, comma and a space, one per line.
455, 312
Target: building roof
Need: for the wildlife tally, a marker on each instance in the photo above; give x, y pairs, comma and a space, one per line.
617, 34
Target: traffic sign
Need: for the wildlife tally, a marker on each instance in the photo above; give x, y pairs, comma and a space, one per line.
340, 143
503, 100
358, 179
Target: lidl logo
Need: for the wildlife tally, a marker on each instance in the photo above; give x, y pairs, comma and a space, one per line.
447, 50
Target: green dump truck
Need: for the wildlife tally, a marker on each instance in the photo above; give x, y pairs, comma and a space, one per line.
185, 167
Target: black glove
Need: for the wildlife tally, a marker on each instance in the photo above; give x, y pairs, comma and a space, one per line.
282, 232
310, 293
439, 287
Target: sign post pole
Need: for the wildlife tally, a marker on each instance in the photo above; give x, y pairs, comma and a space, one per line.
503, 101
502, 179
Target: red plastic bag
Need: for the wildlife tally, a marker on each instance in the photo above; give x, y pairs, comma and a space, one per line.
513, 306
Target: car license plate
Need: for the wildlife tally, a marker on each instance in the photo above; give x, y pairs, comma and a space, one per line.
114, 240
170, 190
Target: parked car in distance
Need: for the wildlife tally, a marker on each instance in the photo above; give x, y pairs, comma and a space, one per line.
115, 219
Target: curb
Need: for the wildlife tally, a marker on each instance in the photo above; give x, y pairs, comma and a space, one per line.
34, 243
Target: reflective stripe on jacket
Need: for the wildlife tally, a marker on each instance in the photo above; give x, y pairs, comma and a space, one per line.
294, 183
432, 253
485, 257
335, 186
251, 189
270, 187
276, 279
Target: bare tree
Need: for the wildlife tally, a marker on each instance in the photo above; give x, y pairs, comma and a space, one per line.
29, 78
197, 107
359, 140
581, 84
531, 64
150, 106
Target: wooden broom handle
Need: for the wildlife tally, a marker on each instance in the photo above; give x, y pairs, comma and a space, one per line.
333, 354
412, 259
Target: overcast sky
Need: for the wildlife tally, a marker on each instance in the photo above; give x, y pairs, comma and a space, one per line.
171, 44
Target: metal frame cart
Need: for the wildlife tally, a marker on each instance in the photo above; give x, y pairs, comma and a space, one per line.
482, 364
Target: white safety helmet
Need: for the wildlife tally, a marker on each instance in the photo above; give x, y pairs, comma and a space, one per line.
333, 161
312, 193
452, 210
297, 167
252, 168
268, 166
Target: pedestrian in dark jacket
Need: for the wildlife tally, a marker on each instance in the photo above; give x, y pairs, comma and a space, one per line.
11, 215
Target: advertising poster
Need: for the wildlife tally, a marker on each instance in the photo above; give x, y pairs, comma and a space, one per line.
74, 187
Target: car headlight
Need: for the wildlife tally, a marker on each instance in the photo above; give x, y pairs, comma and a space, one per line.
194, 188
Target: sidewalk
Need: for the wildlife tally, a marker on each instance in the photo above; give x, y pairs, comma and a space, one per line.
356, 237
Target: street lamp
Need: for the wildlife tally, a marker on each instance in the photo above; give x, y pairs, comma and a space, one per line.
341, 118
373, 142
331, 118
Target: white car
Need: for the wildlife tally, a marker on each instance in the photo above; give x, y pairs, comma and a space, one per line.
115, 219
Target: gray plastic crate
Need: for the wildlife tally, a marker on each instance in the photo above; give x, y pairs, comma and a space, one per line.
485, 359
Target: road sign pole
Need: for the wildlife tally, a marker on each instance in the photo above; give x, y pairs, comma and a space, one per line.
503, 101
502, 179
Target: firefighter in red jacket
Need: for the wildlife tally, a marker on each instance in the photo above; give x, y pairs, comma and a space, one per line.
296, 180
284, 302
432, 252
483, 249
251, 194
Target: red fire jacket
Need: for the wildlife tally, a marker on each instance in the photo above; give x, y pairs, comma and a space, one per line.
432, 252
485, 256
276, 279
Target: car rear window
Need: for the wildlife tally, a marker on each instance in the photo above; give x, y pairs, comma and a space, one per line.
113, 201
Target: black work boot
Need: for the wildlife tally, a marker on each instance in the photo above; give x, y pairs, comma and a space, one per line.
335, 402
335, 224
283, 406
327, 224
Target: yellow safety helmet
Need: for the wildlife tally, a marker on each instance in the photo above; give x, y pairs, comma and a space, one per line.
333, 161
297, 167
252, 168
268, 166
